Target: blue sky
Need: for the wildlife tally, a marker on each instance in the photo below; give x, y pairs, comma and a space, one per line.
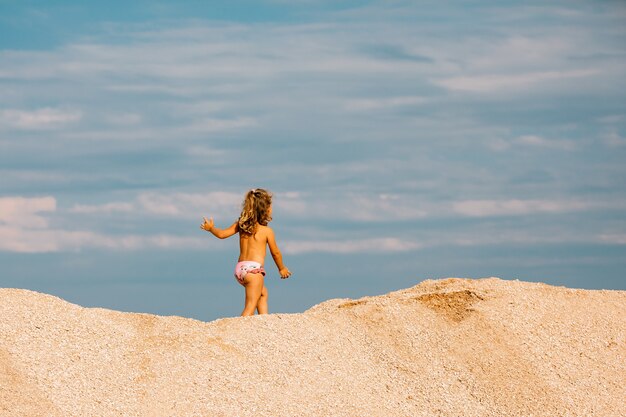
402, 140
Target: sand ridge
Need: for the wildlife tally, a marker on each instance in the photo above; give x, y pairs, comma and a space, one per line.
451, 347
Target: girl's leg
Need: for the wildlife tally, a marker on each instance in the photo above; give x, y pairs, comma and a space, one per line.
261, 306
254, 287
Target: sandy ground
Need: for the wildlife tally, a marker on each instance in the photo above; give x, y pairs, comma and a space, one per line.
452, 347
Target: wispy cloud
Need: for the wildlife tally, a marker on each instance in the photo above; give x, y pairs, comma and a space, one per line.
614, 139
376, 208
352, 207
355, 207
393, 52
45, 118
383, 103
508, 82
107, 208
175, 205
541, 142
25, 228
374, 245
22, 240
385, 208
489, 208
208, 125
534, 141
25, 212
613, 238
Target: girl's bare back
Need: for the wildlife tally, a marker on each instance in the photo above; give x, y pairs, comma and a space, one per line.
253, 247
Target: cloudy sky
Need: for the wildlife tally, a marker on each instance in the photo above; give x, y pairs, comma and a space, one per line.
402, 140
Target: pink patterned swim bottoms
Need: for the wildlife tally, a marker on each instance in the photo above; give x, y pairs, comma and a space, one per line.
244, 268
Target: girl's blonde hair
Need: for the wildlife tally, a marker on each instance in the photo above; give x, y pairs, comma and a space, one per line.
255, 209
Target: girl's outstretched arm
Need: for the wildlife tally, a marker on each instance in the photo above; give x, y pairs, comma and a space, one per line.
208, 225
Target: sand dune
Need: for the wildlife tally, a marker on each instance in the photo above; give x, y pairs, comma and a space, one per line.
452, 347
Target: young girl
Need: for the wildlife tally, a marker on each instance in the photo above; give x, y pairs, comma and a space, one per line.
254, 236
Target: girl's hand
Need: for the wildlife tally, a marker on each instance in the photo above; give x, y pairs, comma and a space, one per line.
207, 225
285, 273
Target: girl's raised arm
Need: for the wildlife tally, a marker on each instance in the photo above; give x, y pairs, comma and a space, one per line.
208, 225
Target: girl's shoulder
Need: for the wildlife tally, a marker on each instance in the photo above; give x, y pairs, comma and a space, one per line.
265, 230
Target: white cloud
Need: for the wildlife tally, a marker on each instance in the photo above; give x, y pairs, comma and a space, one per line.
383, 103
15, 239
514, 207
45, 118
137, 242
202, 57
24, 229
475, 236
361, 207
532, 140
216, 125
200, 107
24, 212
494, 82
124, 119
181, 205
190, 205
373, 245
24, 240
107, 208
394, 207
518, 51
614, 139
613, 238
367, 207
541, 142
499, 144
204, 152
612, 119
513, 237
